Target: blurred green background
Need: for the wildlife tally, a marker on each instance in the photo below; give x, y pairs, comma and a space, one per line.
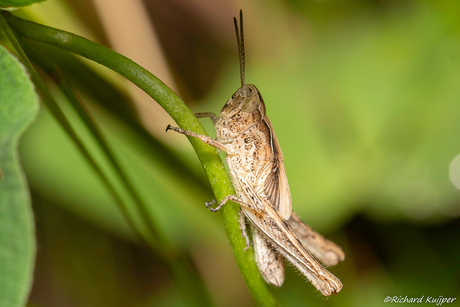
364, 97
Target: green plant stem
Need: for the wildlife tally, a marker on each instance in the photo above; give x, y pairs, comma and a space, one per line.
181, 267
116, 102
210, 160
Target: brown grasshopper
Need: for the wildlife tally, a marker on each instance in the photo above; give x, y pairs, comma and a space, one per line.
256, 166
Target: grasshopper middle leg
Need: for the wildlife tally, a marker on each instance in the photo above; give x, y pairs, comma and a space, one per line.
225, 200
244, 233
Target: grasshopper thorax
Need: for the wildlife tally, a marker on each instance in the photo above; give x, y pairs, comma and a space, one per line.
242, 111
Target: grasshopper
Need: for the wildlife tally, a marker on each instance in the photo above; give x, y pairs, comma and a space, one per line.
256, 165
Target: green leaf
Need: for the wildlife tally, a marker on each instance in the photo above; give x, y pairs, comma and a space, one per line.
18, 107
13, 4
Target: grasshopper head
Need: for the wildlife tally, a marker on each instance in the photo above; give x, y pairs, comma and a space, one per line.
245, 109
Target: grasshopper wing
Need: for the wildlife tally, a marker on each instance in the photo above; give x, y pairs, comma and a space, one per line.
276, 185
322, 249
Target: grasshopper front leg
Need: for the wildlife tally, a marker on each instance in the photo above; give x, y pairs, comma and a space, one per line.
204, 138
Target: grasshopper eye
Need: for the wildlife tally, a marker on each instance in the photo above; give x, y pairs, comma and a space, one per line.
250, 104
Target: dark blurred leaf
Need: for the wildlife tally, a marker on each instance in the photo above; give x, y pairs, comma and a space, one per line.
13, 4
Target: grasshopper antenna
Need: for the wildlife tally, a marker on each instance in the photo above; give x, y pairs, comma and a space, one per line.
240, 42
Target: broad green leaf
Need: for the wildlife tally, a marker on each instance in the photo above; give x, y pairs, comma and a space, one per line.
18, 107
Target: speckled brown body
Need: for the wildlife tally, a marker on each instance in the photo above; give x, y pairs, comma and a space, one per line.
256, 165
